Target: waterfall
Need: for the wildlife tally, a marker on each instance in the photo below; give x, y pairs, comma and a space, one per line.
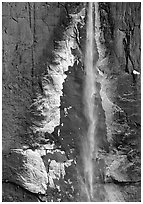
89, 97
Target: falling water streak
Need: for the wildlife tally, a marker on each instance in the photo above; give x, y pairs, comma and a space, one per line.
89, 93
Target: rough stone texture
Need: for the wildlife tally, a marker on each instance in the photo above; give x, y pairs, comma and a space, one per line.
121, 95
14, 193
27, 28
121, 170
43, 84
26, 168
45, 78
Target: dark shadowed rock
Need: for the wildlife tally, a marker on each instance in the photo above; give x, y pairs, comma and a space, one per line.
14, 193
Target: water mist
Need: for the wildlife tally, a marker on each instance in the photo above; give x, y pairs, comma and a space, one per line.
89, 108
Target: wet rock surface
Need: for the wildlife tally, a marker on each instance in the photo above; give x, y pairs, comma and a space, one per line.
43, 121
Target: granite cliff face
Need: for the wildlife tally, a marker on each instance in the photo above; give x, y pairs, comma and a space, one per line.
44, 123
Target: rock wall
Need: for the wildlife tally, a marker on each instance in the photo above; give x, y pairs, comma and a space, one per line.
43, 83
27, 28
36, 55
120, 92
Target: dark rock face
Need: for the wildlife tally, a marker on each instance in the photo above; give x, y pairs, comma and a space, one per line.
122, 88
44, 124
12, 193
